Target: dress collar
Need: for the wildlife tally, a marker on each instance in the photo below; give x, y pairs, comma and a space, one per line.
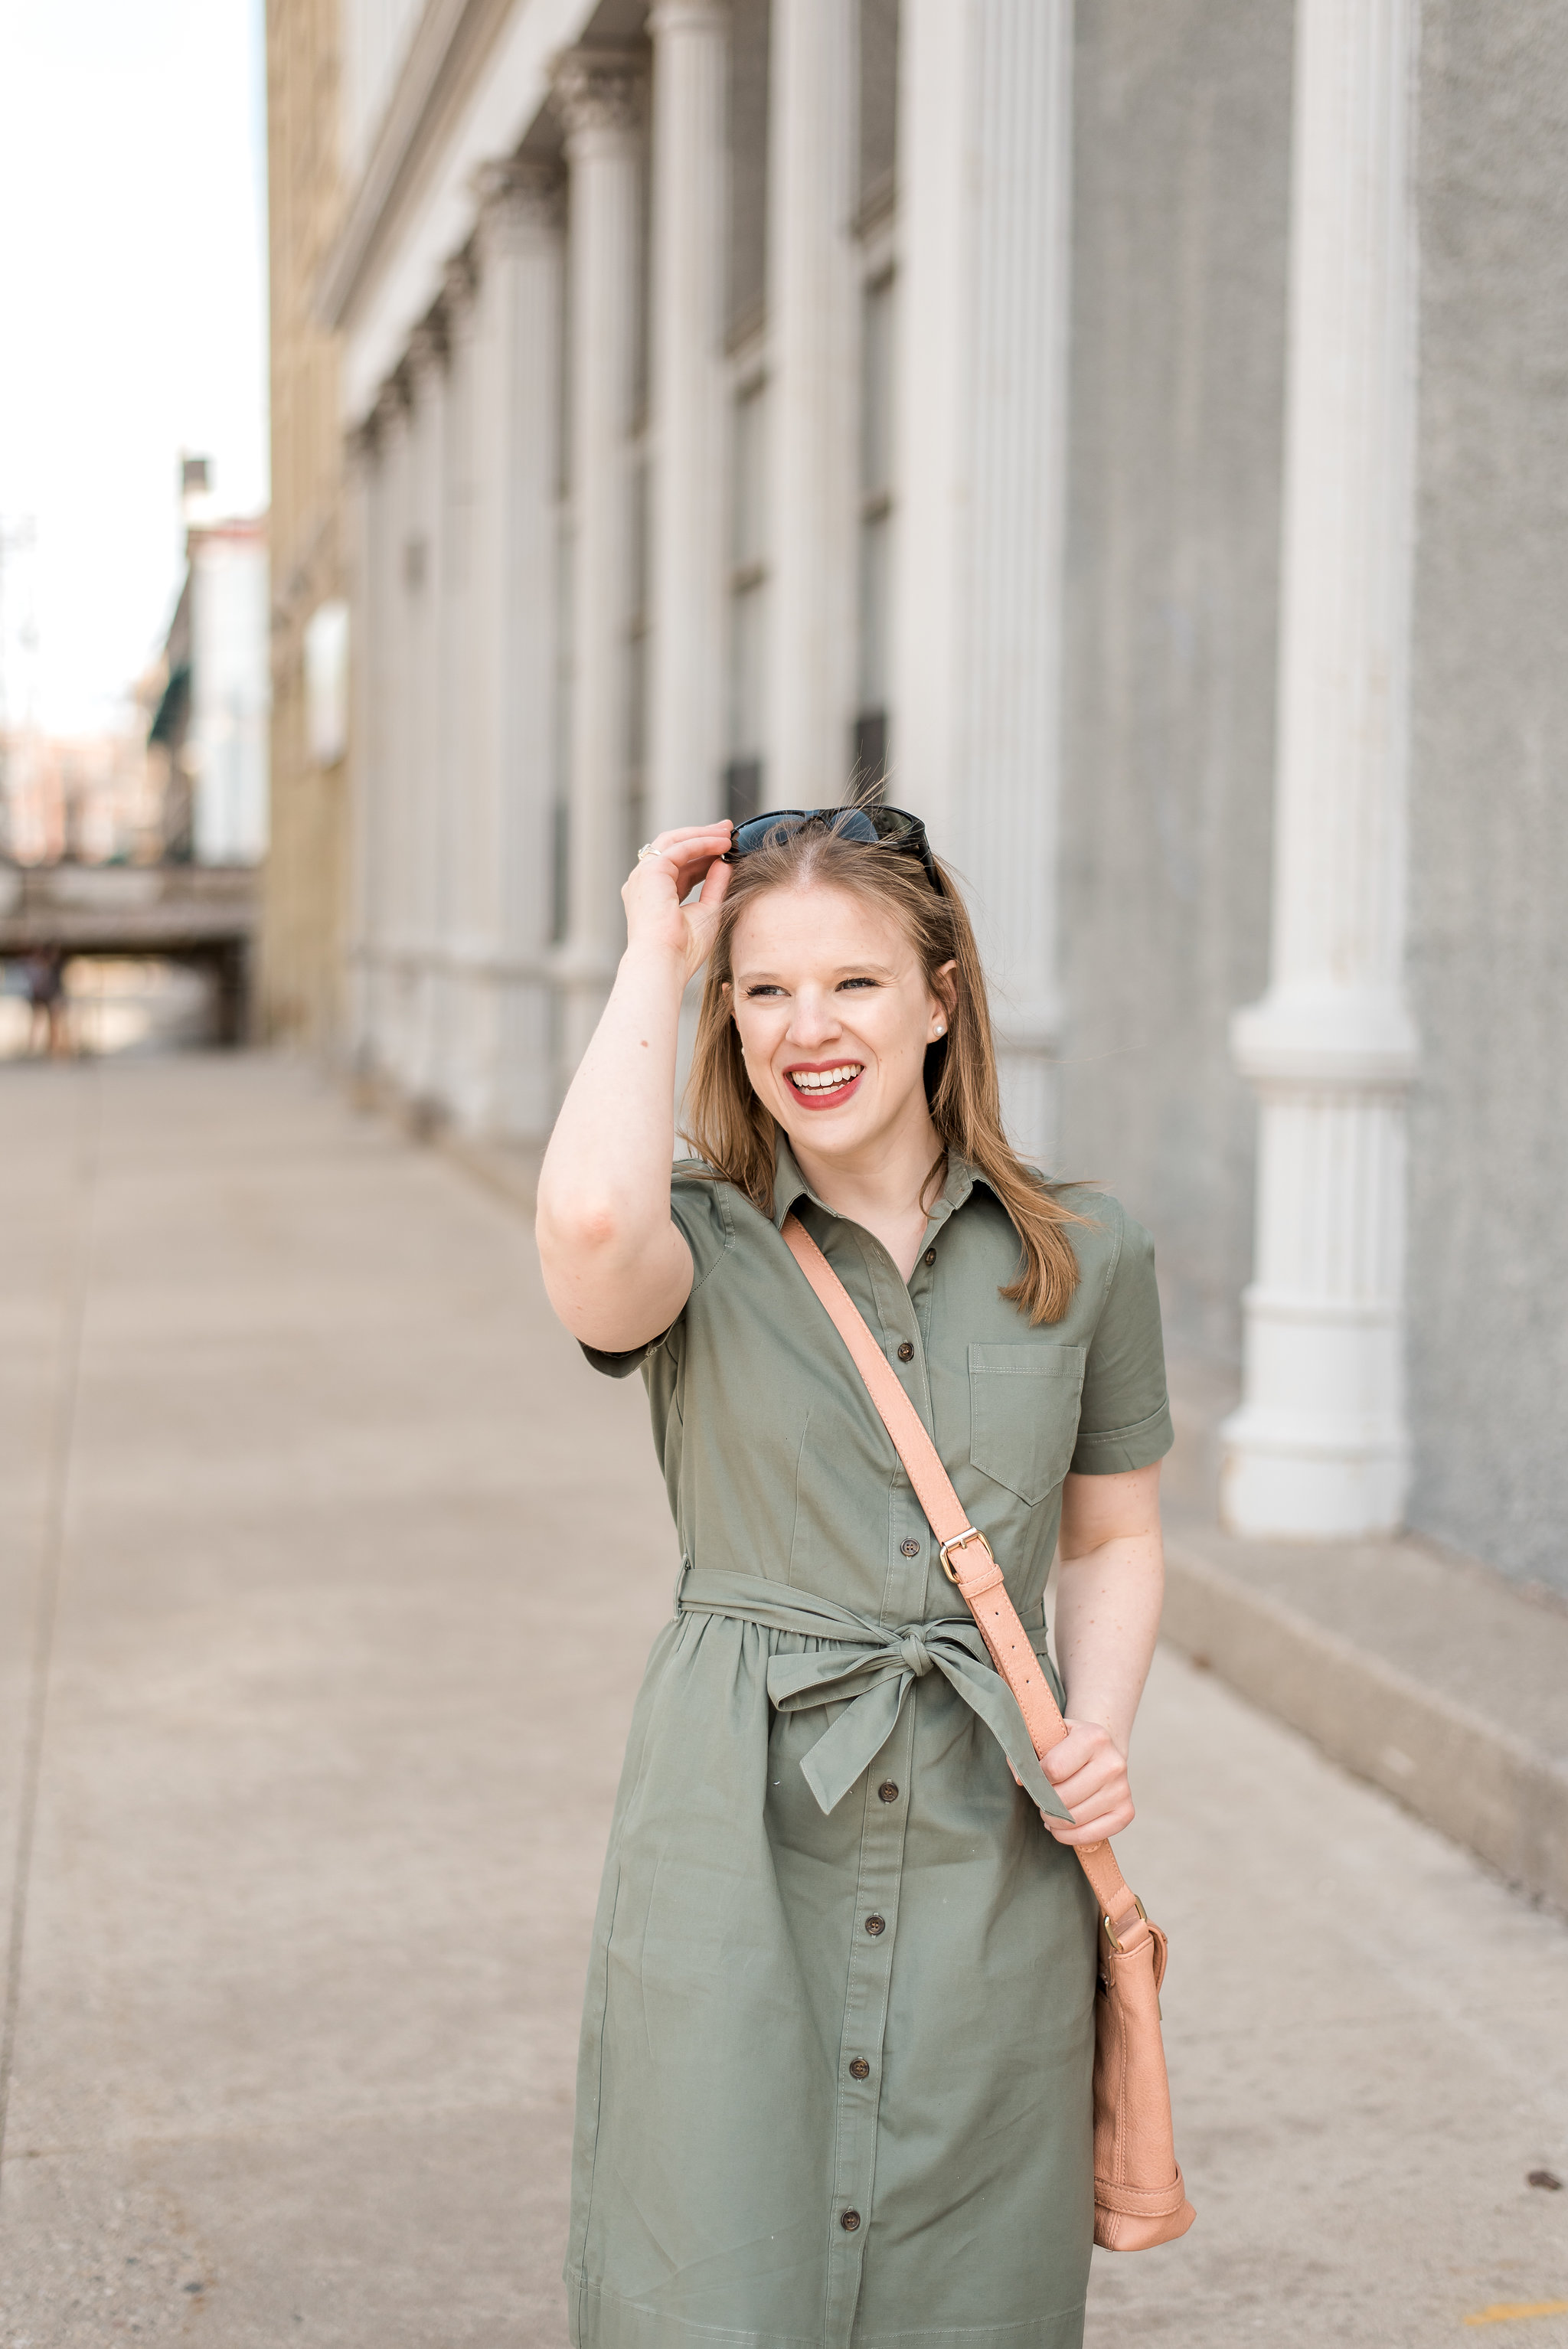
789, 1184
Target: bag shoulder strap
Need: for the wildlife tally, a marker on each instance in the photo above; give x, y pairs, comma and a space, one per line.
964, 1552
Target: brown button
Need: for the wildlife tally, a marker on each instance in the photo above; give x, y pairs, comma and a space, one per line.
911, 1548
875, 1925
888, 1791
859, 2069
850, 2221
906, 1352
931, 1256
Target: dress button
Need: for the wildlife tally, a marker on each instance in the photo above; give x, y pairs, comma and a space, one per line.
931, 1256
888, 1791
875, 1925
911, 1548
906, 1352
859, 2069
850, 2221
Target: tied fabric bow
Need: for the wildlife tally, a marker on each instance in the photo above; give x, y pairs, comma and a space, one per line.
869, 1668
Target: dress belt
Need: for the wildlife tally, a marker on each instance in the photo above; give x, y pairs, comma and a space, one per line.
869, 1668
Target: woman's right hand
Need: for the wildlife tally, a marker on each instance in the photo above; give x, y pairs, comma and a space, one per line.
658, 883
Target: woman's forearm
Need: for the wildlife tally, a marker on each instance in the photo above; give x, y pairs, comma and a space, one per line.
615, 1268
1108, 1618
608, 1163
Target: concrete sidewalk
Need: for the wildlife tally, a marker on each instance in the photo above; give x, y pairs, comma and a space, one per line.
305, 1772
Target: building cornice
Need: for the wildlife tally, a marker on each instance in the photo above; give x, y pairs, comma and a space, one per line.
446, 57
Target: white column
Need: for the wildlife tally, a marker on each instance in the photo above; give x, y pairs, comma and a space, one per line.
1319, 1445
421, 759
691, 60
452, 881
391, 780
813, 400
367, 586
984, 193
600, 94
509, 1073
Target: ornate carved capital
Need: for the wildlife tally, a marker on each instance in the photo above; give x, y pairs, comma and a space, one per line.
460, 283
519, 193
601, 89
669, 16
391, 408
426, 348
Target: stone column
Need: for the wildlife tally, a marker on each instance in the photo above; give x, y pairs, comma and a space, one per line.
421, 755
600, 95
1319, 1445
507, 1075
691, 60
453, 829
369, 560
391, 779
985, 192
812, 401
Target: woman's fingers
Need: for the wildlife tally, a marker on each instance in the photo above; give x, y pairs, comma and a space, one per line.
692, 844
658, 885
679, 859
1088, 1773
664, 840
1086, 1746
716, 881
1097, 1829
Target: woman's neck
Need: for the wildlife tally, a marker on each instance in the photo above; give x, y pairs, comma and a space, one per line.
880, 1187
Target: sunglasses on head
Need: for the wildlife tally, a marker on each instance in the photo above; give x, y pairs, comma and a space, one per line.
877, 827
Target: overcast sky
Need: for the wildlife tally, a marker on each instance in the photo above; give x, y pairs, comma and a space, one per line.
132, 321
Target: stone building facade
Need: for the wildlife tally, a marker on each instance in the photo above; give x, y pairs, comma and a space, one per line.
1134, 438
304, 898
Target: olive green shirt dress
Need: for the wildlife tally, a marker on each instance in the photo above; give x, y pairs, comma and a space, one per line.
834, 2080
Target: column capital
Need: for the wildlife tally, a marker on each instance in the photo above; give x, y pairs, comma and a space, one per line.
513, 192
667, 17
393, 402
459, 283
427, 351
1352, 1039
602, 91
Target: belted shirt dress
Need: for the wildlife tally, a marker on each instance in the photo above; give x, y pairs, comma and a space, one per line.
834, 2085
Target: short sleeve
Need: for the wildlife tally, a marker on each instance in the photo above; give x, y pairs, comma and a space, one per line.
1125, 1418
698, 1210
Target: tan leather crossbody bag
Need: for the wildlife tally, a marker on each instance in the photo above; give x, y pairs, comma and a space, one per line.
1139, 2197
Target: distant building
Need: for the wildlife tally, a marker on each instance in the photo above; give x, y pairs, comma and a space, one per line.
1135, 436
212, 721
90, 799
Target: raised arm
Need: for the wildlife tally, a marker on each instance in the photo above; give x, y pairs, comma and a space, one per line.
1111, 1583
616, 1268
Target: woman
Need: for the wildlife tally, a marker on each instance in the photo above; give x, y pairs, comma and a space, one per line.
836, 2058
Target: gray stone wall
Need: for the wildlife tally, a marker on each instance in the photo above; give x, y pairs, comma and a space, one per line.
751, 30
1182, 190
1489, 869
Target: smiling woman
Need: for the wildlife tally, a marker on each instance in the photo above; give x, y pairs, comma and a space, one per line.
835, 2078
908, 985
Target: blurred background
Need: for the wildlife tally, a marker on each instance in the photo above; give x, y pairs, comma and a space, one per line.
442, 443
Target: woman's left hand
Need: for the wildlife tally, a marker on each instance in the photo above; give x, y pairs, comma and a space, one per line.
1089, 1771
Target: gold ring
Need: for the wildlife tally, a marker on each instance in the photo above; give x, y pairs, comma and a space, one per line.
647, 848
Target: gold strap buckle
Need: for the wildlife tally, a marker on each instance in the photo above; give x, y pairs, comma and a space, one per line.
970, 1532
1110, 1931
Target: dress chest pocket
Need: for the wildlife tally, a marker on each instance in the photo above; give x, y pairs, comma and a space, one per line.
1023, 1414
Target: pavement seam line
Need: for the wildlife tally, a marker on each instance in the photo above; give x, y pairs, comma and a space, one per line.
51, 1553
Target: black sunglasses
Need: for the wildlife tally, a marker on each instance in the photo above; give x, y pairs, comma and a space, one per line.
877, 827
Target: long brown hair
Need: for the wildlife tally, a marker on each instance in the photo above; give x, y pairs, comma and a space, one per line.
727, 1125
